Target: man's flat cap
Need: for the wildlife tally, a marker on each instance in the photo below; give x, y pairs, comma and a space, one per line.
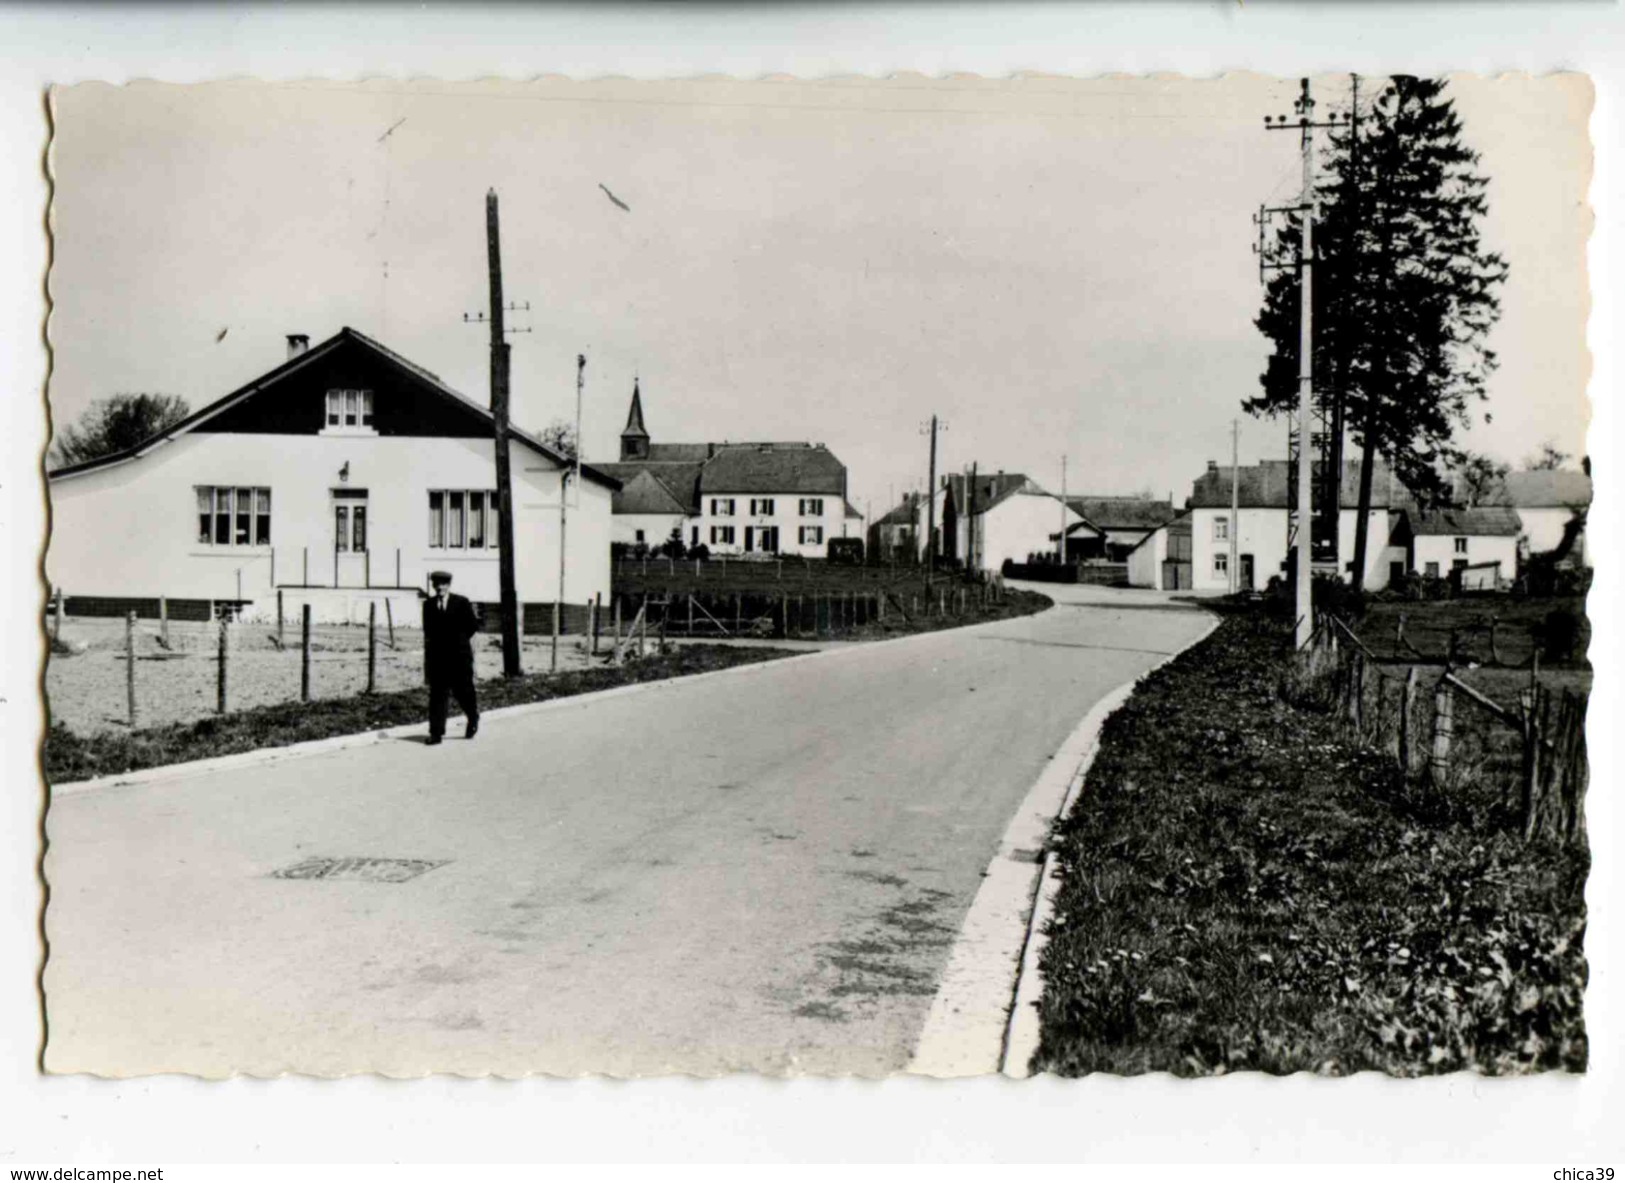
439, 576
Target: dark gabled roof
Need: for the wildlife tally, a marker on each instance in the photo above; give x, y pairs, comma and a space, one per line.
989, 491
679, 481
1557, 488
1178, 526
1122, 513
681, 453
773, 468
1480, 521
431, 380
905, 514
642, 492
1264, 486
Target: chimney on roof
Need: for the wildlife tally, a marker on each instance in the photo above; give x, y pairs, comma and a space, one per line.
297, 344
1213, 466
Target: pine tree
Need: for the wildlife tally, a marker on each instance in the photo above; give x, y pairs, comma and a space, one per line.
1404, 293
116, 424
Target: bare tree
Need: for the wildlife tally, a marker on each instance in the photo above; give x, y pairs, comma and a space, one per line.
1546, 458
116, 424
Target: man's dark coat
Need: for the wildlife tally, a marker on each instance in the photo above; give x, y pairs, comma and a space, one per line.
448, 657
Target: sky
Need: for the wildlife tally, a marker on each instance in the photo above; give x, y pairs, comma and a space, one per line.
1055, 268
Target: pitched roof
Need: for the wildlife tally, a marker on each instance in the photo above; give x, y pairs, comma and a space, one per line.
634, 418
989, 491
345, 335
642, 492
1122, 513
853, 511
1179, 526
1556, 488
905, 514
773, 468
1493, 521
681, 453
1264, 486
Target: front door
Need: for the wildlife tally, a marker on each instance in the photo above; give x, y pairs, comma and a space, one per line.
1246, 583
762, 538
351, 567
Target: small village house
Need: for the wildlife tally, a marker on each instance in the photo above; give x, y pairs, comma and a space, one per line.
339, 478
1546, 501
1113, 526
1483, 539
732, 498
1001, 517
898, 535
1162, 559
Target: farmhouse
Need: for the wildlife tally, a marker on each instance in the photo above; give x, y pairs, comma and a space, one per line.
1162, 559
1114, 526
1483, 540
1000, 517
732, 498
1261, 524
899, 534
338, 479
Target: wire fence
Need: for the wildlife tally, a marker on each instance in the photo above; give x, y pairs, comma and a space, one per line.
1527, 762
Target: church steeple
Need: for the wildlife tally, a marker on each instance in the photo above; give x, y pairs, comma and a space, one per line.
634, 436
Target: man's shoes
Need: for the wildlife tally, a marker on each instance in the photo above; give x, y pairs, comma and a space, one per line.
473, 728
433, 739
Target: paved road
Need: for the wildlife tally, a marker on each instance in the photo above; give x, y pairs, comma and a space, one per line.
763, 870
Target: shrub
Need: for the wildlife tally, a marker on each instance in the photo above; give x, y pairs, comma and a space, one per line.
1558, 635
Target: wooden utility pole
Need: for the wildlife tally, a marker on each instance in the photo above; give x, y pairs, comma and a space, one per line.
931, 509
1060, 539
1235, 504
499, 416
970, 521
1304, 608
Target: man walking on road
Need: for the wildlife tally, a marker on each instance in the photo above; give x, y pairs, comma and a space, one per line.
449, 624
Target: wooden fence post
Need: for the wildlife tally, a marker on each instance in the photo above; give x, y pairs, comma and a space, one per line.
1357, 713
279, 637
643, 626
739, 615
594, 622
1443, 730
304, 652
304, 576
129, 664
1495, 648
1530, 703
220, 678
56, 616
558, 623
691, 605
163, 621
620, 658
1407, 700
1399, 635
372, 646
389, 621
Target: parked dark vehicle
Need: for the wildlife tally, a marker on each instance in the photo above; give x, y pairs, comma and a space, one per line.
846, 551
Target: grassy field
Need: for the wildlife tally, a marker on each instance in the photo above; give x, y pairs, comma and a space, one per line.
807, 599
71, 757
1243, 888
1428, 625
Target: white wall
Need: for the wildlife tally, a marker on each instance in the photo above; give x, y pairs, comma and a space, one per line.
1441, 549
131, 529
1263, 535
1145, 561
1021, 524
786, 516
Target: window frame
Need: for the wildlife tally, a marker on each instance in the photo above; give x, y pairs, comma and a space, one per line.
1221, 564
722, 536
762, 507
722, 507
1461, 544
348, 410
816, 504
1221, 528
230, 516
818, 536
484, 521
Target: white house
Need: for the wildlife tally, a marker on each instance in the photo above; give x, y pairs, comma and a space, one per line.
1261, 526
734, 498
1001, 517
339, 478
1162, 559
1114, 526
1479, 538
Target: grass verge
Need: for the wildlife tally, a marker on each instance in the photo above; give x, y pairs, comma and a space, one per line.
71, 757
1244, 889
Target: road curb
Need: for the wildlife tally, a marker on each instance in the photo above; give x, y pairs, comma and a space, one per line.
356, 739
981, 1019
